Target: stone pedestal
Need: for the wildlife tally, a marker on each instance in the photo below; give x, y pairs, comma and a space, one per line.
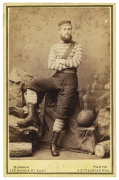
17, 134
86, 138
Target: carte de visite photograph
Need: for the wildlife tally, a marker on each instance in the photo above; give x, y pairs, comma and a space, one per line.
59, 66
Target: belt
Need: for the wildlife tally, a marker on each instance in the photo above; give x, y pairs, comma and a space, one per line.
68, 70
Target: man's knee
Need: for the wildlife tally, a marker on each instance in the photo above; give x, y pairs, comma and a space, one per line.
31, 83
41, 84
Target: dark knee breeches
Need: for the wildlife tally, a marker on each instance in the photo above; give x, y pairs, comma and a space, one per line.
65, 84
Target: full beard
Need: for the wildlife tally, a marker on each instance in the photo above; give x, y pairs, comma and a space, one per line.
66, 39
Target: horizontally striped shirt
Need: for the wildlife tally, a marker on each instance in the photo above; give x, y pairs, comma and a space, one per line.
58, 50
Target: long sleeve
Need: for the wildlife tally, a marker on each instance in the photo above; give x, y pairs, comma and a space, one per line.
75, 60
55, 61
52, 62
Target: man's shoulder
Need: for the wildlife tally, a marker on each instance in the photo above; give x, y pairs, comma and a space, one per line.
54, 45
77, 44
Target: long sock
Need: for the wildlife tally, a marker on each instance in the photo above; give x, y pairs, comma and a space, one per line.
31, 96
58, 125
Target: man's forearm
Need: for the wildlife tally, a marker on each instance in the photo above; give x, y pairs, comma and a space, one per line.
61, 61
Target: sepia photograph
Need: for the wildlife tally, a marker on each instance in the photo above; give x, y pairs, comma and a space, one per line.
59, 66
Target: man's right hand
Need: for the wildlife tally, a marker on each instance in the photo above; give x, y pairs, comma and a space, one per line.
61, 61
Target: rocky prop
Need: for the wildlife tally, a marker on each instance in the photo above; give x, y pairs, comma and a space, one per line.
103, 125
17, 89
17, 134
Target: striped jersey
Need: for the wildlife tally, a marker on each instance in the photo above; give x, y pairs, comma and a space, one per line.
58, 50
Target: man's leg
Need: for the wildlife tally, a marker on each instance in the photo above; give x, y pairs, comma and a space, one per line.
34, 87
65, 99
32, 118
57, 128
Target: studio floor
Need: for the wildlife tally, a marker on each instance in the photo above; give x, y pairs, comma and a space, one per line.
44, 154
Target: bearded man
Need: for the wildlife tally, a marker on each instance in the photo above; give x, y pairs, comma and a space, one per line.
64, 57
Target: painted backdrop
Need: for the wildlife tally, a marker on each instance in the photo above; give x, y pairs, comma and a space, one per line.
32, 31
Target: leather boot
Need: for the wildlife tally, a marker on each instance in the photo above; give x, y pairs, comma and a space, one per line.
54, 150
32, 118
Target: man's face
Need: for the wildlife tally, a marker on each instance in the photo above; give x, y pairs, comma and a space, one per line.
65, 32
